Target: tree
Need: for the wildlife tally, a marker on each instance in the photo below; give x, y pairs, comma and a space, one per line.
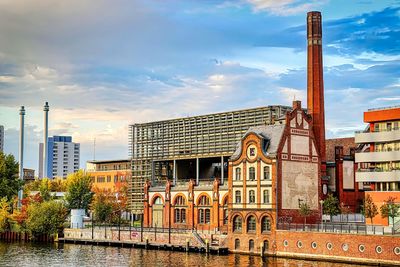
390, 209
4, 215
331, 206
103, 205
44, 189
10, 183
305, 211
79, 194
46, 217
369, 208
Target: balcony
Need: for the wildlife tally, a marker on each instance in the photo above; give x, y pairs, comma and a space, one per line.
377, 176
384, 156
372, 137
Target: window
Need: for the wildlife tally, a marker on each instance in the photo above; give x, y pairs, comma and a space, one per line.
238, 197
252, 173
266, 196
237, 224
238, 174
225, 211
251, 224
252, 196
204, 216
251, 245
158, 201
266, 173
179, 201
108, 179
204, 201
265, 224
237, 243
115, 178
180, 215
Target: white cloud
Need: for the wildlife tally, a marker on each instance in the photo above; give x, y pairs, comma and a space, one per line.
284, 7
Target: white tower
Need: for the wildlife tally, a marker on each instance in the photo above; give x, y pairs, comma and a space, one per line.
46, 135
21, 151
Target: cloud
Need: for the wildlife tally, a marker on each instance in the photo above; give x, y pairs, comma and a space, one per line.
284, 7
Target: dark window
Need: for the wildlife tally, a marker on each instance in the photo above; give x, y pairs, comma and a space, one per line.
266, 196
265, 224
238, 174
251, 224
251, 245
204, 201
237, 243
252, 196
238, 197
252, 173
266, 173
180, 201
237, 224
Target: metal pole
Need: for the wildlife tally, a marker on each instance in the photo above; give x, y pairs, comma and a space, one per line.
130, 225
119, 226
45, 138
197, 170
141, 228
222, 169
21, 152
92, 225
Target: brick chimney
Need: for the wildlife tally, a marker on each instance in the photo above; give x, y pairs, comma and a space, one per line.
315, 81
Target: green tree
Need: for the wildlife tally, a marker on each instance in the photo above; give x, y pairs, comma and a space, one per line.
46, 217
103, 205
10, 183
4, 215
369, 208
44, 189
79, 194
331, 206
390, 209
305, 211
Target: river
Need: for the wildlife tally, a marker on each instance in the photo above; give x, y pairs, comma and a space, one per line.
29, 254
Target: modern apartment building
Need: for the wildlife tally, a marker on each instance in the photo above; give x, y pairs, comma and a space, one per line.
1, 138
379, 159
63, 157
109, 174
195, 148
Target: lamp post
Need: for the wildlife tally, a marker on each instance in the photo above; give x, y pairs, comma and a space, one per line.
321, 202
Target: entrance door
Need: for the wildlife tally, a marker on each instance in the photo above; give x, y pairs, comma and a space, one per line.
158, 216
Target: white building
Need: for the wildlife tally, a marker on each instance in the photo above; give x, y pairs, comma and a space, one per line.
63, 157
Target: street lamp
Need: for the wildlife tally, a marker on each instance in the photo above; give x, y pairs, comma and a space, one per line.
321, 202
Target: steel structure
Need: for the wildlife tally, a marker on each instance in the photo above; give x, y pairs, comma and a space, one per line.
198, 137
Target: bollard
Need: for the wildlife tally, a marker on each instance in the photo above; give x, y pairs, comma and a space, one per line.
147, 243
187, 245
207, 246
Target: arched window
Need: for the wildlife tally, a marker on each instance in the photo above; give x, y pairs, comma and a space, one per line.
251, 224
204, 201
266, 196
237, 224
266, 173
158, 201
180, 201
251, 245
266, 245
237, 243
225, 211
265, 224
238, 198
238, 174
252, 173
252, 196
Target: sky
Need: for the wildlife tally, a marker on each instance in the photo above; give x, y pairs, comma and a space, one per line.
103, 65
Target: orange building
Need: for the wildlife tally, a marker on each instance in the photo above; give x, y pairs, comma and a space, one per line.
109, 174
379, 157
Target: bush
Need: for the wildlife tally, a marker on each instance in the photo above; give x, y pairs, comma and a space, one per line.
79, 194
46, 217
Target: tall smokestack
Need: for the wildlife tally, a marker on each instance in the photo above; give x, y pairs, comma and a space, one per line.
315, 80
45, 135
21, 150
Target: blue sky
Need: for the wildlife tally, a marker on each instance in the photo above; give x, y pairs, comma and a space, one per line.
103, 65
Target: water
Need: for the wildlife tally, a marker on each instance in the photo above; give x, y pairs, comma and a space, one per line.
27, 254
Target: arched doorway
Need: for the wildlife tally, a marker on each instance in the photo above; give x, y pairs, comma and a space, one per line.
158, 212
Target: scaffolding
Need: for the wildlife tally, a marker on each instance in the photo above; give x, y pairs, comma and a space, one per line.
205, 136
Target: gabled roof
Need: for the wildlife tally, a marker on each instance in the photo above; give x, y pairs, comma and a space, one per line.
271, 134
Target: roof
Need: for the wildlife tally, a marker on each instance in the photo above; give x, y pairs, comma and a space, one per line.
270, 133
346, 143
108, 161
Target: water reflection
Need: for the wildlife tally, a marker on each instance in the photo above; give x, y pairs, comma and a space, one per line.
27, 254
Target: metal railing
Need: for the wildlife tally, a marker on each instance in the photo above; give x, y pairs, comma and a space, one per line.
349, 228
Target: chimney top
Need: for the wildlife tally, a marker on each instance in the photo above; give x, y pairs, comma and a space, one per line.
46, 106
22, 110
